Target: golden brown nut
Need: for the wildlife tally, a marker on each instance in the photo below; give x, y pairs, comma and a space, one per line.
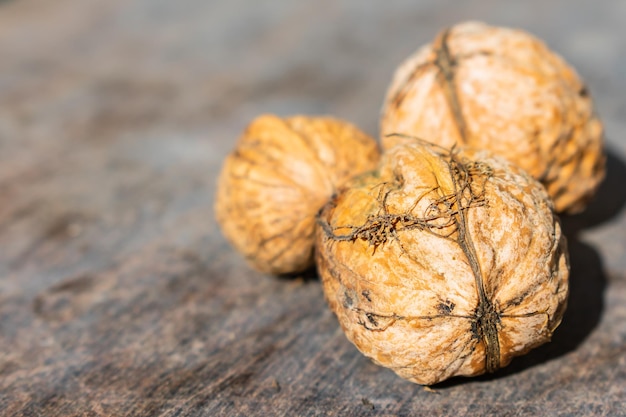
280, 174
443, 264
503, 90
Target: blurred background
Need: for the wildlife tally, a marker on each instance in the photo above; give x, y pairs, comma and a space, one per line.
115, 283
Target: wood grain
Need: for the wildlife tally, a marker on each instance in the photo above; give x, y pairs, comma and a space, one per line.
119, 296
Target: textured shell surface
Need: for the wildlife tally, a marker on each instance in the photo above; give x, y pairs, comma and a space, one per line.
279, 175
504, 90
443, 263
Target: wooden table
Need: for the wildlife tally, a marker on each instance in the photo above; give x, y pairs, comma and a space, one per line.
118, 294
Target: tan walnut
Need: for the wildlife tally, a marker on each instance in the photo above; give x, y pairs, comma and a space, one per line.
503, 90
279, 175
443, 263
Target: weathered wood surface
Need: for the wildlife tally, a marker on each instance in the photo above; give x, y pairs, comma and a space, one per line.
118, 295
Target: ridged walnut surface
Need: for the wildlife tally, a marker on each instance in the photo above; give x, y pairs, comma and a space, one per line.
503, 90
443, 264
280, 174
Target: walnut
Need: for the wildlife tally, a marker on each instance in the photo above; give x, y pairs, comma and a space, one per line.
280, 174
443, 263
503, 90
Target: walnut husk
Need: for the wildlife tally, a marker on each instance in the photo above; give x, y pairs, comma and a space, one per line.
443, 263
501, 89
279, 175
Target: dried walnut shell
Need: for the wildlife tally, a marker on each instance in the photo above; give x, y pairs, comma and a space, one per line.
503, 90
443, 263
280, 174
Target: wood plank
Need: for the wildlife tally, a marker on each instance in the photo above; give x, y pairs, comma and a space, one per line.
119, 296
